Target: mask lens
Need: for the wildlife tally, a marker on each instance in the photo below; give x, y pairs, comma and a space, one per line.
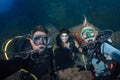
36, 40
92, 33
41, 40
84, 35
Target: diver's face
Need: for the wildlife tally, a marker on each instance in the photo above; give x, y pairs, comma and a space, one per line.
64, 37
88, 34
40, 39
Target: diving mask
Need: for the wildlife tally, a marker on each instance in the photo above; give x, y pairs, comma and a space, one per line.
88, 33
41, 40
64, 36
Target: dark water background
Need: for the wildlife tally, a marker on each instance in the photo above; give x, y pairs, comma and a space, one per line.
21, 16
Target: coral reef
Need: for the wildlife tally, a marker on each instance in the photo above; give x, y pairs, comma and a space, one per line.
74, 74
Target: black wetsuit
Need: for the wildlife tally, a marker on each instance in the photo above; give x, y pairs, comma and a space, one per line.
67, 57
38, 65
64, 58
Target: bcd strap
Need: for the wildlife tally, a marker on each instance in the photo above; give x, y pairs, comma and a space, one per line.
25, 75
7, 44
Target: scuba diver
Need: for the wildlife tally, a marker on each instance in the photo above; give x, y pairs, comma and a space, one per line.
32, 55
103, 58
66, 53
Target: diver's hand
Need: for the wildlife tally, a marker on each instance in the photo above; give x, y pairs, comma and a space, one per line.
66, 45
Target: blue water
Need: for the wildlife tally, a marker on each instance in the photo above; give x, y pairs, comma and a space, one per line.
22, 15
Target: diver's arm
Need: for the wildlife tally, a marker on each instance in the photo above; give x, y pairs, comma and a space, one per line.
111, 51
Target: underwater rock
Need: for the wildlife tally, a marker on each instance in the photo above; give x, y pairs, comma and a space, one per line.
53, 33
74, 74
116, 39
